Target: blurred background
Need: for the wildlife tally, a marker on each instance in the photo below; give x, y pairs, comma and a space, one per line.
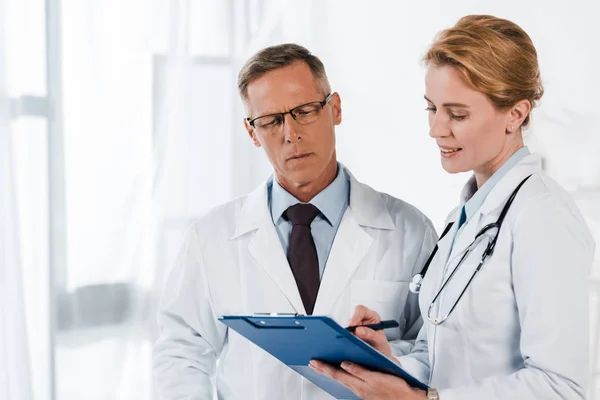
120, 123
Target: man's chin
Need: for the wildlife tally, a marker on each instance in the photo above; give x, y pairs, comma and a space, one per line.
302, 176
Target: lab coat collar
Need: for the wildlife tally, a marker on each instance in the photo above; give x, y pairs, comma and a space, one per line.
253, 211
493, 203
368, 207
527, 166
499, 194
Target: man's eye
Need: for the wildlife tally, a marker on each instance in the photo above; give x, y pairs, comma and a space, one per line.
269, 121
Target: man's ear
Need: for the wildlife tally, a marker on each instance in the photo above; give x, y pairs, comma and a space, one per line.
251, 133
336, 105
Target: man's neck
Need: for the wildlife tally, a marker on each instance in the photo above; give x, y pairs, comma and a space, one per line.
306, 192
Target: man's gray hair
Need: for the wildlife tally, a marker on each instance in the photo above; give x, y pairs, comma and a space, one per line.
279, 56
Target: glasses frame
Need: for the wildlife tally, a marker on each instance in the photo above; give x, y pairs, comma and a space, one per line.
291, 112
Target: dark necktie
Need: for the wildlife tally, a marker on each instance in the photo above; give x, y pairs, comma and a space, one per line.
302, 253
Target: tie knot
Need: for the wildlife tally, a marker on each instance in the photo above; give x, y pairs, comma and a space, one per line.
301, 214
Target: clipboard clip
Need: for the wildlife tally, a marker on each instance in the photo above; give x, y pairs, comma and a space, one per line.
273, 314
270, 321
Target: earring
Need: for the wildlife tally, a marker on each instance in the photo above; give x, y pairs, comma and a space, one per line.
512, 128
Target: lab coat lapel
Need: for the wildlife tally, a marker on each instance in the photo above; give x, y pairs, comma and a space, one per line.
352, 242
499, 195
491, 207
350, 246
464, 239
265, 247
445, 243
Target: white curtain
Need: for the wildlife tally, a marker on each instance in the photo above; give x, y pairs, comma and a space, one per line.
15, 374
153, 137
146, 152
15, 377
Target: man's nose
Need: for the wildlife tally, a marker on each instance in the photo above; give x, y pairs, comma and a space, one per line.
291, 129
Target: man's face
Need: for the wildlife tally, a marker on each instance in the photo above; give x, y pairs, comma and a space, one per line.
300, 153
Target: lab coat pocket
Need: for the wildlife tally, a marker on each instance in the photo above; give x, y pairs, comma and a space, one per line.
387, 298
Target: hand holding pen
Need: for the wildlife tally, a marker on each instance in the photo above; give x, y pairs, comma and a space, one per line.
366, 324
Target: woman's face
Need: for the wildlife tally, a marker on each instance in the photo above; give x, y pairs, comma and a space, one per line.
471, 133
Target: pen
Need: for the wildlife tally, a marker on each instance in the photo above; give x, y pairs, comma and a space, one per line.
376, 327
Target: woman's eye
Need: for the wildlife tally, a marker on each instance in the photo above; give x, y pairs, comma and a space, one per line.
458, 117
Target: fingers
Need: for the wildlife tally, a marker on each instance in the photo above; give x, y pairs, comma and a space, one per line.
363, 315
376, 339
357, 385
376, 384
365, 383
340, 375
370, 336
357, 318
356, 370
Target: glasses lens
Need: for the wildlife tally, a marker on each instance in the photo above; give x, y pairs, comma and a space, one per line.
308, 113
268, 123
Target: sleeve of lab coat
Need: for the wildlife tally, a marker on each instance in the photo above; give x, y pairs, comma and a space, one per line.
191, 338
412, 314
551, 259
417, 362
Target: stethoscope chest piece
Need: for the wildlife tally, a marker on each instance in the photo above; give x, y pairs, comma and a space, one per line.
415, 285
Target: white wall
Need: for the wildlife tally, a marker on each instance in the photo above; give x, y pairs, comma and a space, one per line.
372, 55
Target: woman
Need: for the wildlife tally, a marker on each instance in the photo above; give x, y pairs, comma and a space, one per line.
516, 326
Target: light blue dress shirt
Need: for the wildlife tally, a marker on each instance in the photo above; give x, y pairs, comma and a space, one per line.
478, 196
332, 202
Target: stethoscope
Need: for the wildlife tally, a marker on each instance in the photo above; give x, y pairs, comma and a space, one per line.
415, 284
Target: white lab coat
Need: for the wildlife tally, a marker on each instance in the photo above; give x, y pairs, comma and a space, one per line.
521, 329
233, 263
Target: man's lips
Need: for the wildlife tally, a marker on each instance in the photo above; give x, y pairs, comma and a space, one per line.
299, 156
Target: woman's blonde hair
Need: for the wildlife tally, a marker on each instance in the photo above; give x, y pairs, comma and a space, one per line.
495, 56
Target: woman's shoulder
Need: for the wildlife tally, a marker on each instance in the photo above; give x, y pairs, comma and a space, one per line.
543, 191
545, 204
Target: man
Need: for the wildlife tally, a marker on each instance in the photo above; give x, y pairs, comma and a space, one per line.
310, 240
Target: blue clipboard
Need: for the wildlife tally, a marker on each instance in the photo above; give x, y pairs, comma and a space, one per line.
295, 340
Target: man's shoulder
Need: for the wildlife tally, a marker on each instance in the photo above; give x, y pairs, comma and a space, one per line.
401, 210
219, 222
402, 213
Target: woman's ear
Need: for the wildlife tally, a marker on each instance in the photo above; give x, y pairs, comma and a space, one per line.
517, 115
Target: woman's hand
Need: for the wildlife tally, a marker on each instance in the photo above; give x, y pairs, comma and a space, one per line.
362, 316
367, 384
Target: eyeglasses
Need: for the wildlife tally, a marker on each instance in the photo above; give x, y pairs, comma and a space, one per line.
304, 114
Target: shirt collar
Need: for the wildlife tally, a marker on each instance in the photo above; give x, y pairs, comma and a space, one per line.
473, 198
331, 201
